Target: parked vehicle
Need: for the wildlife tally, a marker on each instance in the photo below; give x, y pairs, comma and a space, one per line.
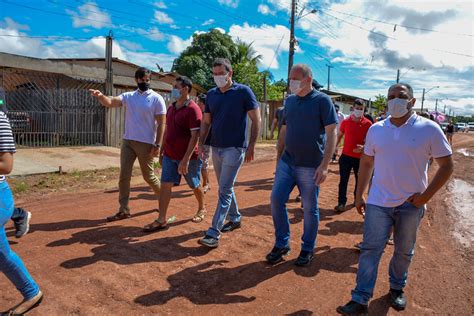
443, 126
470, 126
461, 127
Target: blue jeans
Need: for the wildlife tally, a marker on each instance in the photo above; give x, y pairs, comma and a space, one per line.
227, 163
18, 215
10, 264
286, 177
378, 223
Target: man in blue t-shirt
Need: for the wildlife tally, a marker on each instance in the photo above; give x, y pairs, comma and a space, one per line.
306, 144
227, 108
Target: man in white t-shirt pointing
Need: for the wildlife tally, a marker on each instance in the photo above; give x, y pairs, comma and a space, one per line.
145, 115
398, 150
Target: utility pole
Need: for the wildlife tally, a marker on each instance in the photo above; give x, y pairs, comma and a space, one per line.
292, 40
436, 106
264, 108
444, 111
329, 76
422, 100
109, 80
398, 75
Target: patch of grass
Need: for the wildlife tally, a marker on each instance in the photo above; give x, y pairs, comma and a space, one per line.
19, 188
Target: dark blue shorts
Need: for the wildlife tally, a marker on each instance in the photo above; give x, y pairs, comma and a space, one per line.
169, 172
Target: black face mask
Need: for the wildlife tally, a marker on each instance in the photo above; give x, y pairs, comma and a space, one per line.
143, 86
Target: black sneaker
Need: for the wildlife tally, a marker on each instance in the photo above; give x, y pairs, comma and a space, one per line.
397, 299
230, 226
209, 241
340, 208
277, 254
22, 226
353, 309
304, 259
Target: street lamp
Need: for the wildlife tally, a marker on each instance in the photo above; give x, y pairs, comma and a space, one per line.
423, 97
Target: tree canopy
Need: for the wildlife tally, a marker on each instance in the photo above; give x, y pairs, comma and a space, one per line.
196, 63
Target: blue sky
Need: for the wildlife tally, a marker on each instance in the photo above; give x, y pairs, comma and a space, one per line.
364, 41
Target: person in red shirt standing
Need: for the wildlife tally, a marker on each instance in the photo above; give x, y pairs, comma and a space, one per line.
179, 157
353, 129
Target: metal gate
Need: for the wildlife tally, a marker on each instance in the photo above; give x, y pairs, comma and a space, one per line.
48, 109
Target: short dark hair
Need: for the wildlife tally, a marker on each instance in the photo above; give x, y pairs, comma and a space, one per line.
222, 62
202, 97
403, 84
359, 102
185, 82
142, 72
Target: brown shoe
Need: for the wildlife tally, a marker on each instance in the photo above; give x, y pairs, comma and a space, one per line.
119, 216
26, 306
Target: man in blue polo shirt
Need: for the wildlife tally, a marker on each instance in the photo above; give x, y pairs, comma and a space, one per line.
309, 128
227, 108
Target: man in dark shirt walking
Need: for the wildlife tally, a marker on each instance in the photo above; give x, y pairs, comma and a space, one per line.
309, 127
227, 108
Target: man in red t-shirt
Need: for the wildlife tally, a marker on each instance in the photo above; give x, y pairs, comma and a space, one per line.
353, 129
179, 157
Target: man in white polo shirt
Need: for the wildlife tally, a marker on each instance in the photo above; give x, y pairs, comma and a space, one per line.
398, 150
145, 115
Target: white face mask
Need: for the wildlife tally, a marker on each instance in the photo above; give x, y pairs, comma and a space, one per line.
358, 113
398, 107
295, 86
220, 81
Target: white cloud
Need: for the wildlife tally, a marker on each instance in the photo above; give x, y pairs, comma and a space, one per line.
149, 60
177, 44
93, 48
265, 40
265, 9
155, 34
208, 22
89, 15
9, 23
163, 18
160, 5
375, 58
131, 45
230, 3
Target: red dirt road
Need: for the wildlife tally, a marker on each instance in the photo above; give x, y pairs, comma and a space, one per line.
86, 266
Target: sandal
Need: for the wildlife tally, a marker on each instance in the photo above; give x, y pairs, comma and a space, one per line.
199, 217
155, 226
206, 188
118, 216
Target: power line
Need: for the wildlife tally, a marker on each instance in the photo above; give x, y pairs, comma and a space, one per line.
397, 25
391, 37
276, 52
50, 37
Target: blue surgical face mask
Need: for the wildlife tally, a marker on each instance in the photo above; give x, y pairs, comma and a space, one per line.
175, 94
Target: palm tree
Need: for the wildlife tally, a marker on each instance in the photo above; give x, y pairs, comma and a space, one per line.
246, 53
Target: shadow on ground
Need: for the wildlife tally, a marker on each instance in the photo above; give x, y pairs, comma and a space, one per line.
214, 283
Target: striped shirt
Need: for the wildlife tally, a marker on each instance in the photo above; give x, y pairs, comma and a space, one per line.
7, 143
